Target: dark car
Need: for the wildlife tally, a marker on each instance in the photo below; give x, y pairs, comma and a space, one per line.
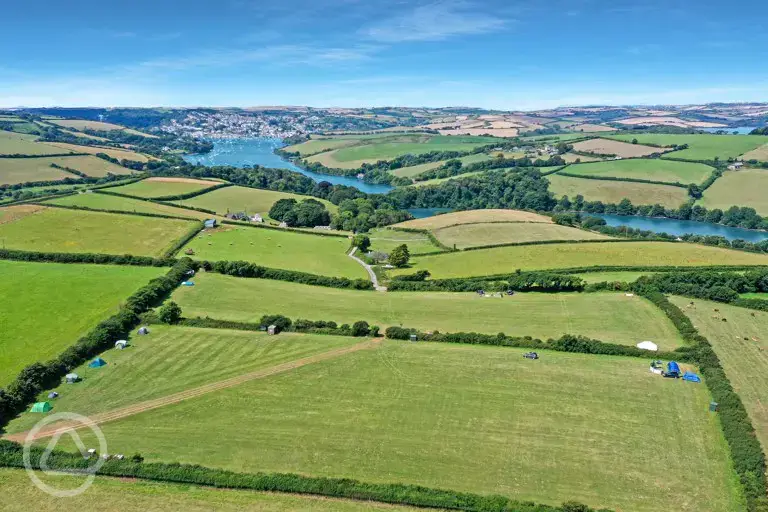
531, 355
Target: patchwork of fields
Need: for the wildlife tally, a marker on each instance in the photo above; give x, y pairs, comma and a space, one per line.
614, 191
249, 200
700, 146
746, 187
98, 201
161, 187
645, 169
21, 170
612, 147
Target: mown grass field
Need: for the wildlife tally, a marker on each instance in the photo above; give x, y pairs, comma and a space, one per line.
21, 170
700, 146
162, 187
82, 124
21, 495
632, 319
495, 233
472, 217
741, 344
250, 200
612, 147
624, 277
16, 143
320, 145
760, 153
746, 187
46, 307
499, 260
290, 250
108, 202
415, 170
120, 154
61, 230
547, 430
645, 169
173, 359
614, 191
384, 240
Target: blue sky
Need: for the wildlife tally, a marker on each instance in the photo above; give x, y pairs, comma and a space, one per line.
505, 54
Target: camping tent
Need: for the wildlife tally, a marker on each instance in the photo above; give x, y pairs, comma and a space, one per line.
97, 363
41, 407
121, 344
648, 345
53, 394
187, 283
691, 377
72, 377
672, 367
143, 330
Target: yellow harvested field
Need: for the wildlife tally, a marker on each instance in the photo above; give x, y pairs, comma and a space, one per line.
473, 217
572, 157
614, 147
668, 121
16, 212
82, 124
760, 154
120, 154
498, 233
609, 191
591, 128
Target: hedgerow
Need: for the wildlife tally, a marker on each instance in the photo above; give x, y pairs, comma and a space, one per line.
190, 195
518, 281
100, 259
181, 242
251, 270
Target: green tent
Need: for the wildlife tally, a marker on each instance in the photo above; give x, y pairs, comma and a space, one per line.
41, 407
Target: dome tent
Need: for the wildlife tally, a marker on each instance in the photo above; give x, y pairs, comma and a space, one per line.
41, 407
648, 345
97, 363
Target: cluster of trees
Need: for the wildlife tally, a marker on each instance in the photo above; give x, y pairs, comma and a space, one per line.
760, 131
283, 323
307, 213
455, 167
364, 213
706, 284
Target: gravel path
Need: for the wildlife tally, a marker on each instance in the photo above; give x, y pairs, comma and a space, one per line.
367, 267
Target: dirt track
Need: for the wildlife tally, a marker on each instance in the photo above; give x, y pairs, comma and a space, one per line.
124, 412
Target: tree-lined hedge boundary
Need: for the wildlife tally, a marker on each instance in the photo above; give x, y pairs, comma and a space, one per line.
184, 240
11, 455
431, 236
190, 195
87, 258
549, 282
105, 210
38, 377
251, 270
262, 225
145, 199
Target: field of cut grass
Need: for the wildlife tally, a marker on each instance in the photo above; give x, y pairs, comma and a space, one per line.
473, 217
384, 240
645, 169
276, 248
499, 260
739, 188
700, 146
46, 307
496, 233
572, 157
438, 181
81, 124
98, 201
161, 187
632, 319
545, 430
415, 170
17, 143
612, 147
624, 277
21, 170
175, 359
120, 154
320, 145
250, 200
22, 495
761, 154
614, 191
741, 344
60, 230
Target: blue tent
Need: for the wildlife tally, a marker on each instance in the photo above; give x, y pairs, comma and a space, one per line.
672, 367
97, 363
691, 377
187, 283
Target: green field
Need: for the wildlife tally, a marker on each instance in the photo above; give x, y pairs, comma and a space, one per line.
314, 146
22, 495
249, 200
755, 295
16, 143
324, 255
473, 217
614, 191
60, 230
384, 240
544, 316
161, 187
746, 187
495, 233
98, 201
21, 170
741, 344
437, 181
499, 260
547, 430
645, 169
415, 170
174, 359
611, 277
46, 307
700, 146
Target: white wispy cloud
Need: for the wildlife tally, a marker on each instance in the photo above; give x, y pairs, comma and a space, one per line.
434, 21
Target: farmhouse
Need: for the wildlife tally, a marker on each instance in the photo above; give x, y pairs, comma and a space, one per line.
735, 166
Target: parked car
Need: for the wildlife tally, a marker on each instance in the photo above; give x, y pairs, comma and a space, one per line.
531, 355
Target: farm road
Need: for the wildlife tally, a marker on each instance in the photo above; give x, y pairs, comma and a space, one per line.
371, 273
124, 412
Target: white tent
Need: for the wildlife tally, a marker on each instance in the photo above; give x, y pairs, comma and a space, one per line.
648, 345
121, 344
71, 377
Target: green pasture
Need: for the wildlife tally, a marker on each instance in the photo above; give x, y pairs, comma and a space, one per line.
174, 359
21, 170
700, 146
384, 240
496, 233
157, 187
747, 187
243, 199
539, 315
646, 169
17, 143
276, 248
98, 201
62, 230
614, 191
597, 429
22, 495
46, 307
437, 181
500, 260
415, 170
321, 145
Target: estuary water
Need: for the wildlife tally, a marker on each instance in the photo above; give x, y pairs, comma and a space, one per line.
682, 227
260, 151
